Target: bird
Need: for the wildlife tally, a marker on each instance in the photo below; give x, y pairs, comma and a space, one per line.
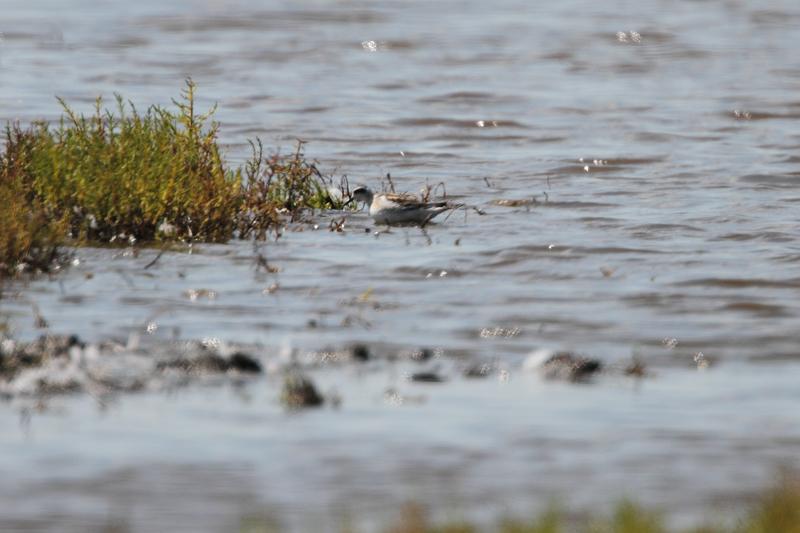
399, 209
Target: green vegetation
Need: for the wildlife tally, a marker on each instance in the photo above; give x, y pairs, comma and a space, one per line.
29, 237
124, 176
776, 511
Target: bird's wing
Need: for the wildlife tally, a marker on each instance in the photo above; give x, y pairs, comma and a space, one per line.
402, 199
409, 201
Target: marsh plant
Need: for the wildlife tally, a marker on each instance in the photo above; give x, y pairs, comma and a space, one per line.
29, 237
776, 510
123, 175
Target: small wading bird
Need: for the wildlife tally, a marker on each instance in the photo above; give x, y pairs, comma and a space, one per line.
399, 209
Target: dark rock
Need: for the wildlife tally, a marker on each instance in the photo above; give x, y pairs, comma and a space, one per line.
244, 363
299, 391
360, 352
73, 340
568, 367
427, 377
212, 363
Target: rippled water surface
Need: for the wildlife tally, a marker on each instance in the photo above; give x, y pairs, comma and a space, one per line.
638, 164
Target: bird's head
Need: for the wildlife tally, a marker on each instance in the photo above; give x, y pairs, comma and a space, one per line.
361, 194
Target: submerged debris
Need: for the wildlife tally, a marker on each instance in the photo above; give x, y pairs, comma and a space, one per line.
299, 391
211, 362
427, 377
570, 367
360, 352
505, 202
204, 363
197, 294
243, 362
701, 361
18, 356
636, 368
392, 396
479, 370
418, 355
59, 364
564, 366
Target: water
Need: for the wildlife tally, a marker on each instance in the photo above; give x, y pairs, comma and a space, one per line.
659, 142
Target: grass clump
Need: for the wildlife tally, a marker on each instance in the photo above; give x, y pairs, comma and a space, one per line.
776, 511
29, 236
160, 175
629, 517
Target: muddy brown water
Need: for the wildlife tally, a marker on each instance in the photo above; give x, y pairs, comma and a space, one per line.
639, 166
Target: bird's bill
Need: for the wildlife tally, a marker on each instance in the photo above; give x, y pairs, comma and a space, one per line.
351, 200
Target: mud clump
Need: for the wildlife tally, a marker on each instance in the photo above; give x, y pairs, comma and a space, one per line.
212, 363
18, 356
63, 364
245, 363
427, 377
299, 392
565, 366
360, 352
